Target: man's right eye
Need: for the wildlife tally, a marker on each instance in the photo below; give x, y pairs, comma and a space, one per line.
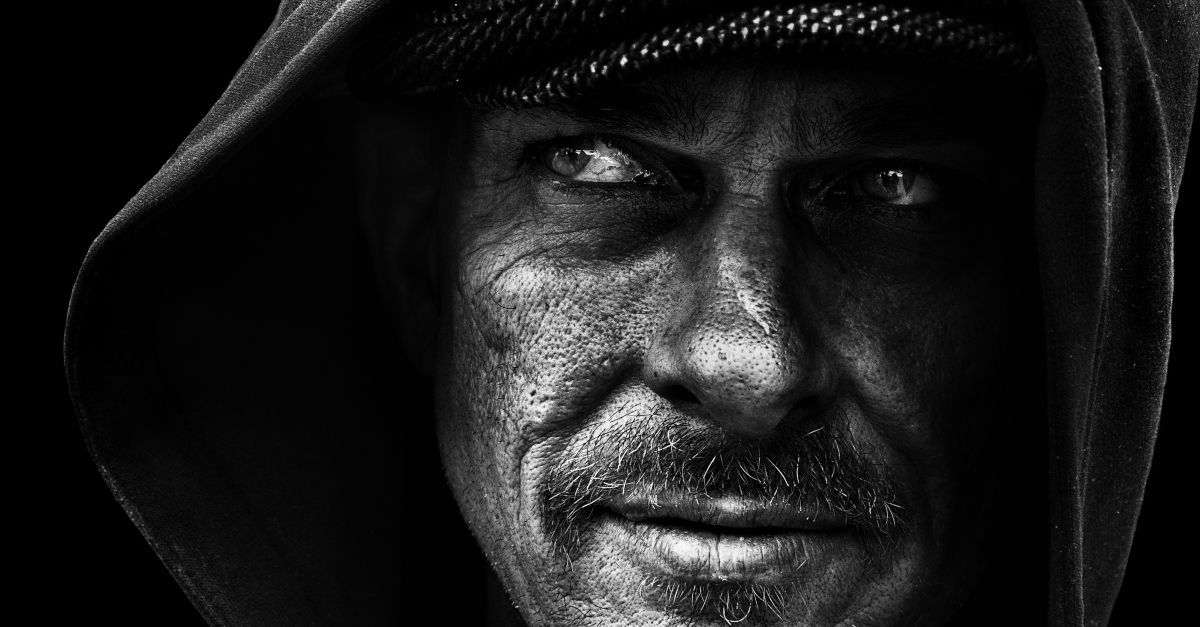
594, 160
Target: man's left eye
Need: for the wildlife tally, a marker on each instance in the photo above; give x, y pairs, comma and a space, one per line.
594, 160
894, 184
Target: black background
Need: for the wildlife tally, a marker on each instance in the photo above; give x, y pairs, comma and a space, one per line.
104, 95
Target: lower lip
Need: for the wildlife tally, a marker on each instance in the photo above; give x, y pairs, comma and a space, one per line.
711, 556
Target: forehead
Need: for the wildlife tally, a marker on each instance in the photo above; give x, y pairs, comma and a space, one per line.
810, 104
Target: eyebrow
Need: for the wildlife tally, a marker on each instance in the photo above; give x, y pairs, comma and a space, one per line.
682, 114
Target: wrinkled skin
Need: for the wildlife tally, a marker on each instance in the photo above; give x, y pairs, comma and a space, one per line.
748, 292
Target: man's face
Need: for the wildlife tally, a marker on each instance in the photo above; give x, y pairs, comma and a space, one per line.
742, 342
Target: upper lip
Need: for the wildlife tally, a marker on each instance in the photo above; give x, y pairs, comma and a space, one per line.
726, 511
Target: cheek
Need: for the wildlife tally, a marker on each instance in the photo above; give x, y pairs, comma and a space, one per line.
922, 312
531, 350
908, 347
920, 360
558, 336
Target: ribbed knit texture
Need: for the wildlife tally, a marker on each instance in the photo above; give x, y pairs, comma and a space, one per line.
512, 54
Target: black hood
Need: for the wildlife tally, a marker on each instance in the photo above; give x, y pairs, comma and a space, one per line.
243, 395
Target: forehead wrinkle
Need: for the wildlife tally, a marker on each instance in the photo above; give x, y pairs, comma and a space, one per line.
679, 112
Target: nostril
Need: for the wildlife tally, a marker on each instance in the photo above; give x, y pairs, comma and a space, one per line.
808, 403
810, 406
678, 395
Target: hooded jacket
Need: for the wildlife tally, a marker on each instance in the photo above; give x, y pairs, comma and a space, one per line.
241, 392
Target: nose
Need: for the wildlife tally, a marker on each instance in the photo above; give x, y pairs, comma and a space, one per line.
733, 340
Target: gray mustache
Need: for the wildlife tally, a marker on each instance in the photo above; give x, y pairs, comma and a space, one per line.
814, 467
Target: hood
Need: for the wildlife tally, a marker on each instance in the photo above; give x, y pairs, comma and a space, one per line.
243, 394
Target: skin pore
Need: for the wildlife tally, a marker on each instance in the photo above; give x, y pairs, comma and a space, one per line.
747, 343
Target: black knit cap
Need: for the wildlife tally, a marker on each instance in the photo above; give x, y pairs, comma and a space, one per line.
515, 53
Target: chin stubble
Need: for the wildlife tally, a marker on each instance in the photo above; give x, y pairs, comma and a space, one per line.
733, 603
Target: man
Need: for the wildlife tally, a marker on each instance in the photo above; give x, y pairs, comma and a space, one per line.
754, 340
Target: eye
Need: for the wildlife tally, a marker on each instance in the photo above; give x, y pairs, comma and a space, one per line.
895, 184
594, 160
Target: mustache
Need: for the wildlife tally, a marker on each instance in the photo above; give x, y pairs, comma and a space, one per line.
814, 467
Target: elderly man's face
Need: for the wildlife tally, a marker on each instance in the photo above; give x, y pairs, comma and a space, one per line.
740, 343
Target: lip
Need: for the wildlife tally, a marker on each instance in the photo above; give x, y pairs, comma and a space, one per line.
727, 511
727, 539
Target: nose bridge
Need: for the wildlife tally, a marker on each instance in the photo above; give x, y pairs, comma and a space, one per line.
746, 267
734, 341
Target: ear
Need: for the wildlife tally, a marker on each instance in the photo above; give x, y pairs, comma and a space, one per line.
400, 148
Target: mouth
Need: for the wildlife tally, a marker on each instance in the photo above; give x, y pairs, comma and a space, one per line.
730, 513
727, 540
